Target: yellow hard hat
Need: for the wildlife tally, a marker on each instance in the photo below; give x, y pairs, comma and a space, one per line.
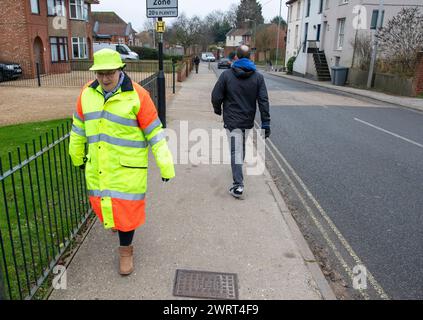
107, 59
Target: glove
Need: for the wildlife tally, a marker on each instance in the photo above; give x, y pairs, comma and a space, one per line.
82, 166
218, 111
266, 133
165, 179
266, 128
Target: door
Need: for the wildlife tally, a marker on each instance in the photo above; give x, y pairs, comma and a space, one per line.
39, 55
305, 37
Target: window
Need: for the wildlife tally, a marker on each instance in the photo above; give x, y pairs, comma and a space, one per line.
59, 49
78, 10
35, 7
288, 36
344, 1
299, 10
79, 48
308, 8
296, 36
375, 16
327, 4
56, 7
85, 13
341, 33
305, 37
319, 30
290, 14
320, 6
122, 49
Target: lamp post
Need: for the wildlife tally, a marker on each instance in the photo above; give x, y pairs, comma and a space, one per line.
375, 44
254, 34
277, 40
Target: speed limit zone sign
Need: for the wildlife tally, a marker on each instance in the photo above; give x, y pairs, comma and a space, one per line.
162, 8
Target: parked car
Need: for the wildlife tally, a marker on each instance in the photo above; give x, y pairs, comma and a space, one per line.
125, 52
224, 63
208, 56
9, 71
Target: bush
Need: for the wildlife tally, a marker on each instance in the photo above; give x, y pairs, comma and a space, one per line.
290, 65
153, 54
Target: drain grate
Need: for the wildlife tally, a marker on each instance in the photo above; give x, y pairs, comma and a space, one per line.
204, 284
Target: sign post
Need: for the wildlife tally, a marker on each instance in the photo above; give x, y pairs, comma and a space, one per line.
160, 9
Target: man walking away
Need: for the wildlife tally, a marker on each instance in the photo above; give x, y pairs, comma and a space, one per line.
239, 89
196, 63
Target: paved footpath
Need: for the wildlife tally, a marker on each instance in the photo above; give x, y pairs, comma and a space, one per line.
193, 223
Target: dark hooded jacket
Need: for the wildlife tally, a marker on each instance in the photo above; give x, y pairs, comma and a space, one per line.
240, 89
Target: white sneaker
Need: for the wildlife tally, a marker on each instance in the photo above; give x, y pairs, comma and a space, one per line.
236, 191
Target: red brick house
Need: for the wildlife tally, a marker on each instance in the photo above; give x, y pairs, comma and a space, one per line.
48, 32
109, 27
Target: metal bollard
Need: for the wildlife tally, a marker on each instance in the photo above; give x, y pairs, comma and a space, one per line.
38, 74
174, 77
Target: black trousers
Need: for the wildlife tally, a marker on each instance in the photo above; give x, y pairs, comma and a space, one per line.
125, 238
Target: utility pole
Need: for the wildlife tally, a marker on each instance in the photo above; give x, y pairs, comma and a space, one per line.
375, 45
277, 40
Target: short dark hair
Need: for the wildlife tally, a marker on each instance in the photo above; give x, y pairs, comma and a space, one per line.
243, 52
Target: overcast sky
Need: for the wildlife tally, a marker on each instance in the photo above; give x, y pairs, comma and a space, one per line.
134, 10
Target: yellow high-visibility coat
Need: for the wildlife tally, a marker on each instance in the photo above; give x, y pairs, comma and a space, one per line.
119, 133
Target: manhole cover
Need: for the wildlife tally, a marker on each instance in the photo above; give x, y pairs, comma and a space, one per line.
203, 284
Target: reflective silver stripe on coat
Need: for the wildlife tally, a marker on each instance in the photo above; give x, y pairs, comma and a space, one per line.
111, 117
76, 115
78, 131
116, 141
157, 138
116, 194
156, 123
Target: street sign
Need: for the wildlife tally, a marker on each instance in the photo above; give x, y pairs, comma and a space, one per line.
160, 26
162, 8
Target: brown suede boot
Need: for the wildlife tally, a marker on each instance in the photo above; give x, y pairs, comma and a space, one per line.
126, 260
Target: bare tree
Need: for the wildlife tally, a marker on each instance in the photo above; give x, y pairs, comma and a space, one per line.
362, 56
187, 30
402, 38
231, 15
264, 40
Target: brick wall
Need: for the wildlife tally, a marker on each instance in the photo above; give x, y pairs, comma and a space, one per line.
14, 32
419, 74
18, 31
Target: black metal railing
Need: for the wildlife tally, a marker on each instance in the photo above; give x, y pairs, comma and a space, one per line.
150, 84
43, 206
75, 73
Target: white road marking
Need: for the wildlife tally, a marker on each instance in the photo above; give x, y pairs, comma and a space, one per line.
389, 132
332, 226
